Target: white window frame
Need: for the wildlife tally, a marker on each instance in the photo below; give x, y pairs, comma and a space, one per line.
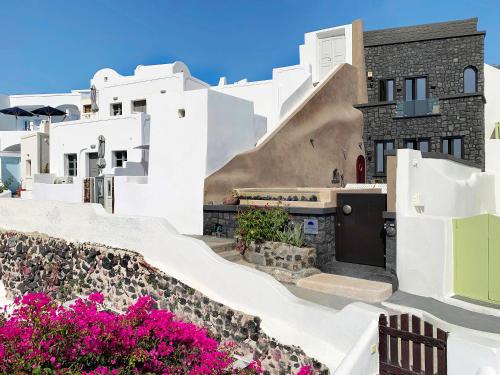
67, 167
112, 109
121, 159
134, 110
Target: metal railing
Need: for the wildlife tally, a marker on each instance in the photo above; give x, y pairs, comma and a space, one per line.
413, 108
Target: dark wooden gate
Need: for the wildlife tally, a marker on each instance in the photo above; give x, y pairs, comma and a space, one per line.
411, 347
86, 190
360, 234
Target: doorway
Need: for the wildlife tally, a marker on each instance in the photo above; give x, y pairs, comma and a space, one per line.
360, 170
93, 170
331, 53
360, 234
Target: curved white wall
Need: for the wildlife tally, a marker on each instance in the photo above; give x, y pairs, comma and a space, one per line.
429, 193
183, 151
325, 334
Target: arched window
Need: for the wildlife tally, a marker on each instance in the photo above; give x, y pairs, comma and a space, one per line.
470, 79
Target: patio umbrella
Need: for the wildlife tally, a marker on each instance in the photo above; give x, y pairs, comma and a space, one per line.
48, 111
93, 99
16, 111
101, 148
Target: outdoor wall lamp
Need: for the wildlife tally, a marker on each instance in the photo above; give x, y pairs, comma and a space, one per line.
369, 75
390, 229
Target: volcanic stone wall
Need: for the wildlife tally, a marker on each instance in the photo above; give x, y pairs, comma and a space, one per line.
32, 262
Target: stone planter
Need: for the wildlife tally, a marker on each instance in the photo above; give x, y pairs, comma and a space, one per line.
285, 262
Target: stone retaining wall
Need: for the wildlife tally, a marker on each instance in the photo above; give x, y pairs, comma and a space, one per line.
277, 254
35, 262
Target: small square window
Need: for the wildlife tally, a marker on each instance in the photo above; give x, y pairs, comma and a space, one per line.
71, 165
452, 146
381, 147
119, 158
386, 90
181, 112
139, 106
87, 108
116, 109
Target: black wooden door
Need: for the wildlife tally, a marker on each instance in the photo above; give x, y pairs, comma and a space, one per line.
360, 234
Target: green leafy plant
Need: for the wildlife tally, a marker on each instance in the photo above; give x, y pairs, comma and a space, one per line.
291, 234
8, 182
261, 224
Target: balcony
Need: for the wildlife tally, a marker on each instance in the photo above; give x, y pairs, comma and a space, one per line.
415, 108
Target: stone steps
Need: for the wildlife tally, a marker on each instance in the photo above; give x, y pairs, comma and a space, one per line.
349, 287
218, 244
231, 255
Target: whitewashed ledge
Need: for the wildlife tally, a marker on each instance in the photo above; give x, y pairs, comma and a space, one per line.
343, 340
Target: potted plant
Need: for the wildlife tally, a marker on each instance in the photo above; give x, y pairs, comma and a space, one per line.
233, 199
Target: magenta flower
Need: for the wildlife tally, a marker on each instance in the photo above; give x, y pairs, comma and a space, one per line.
41, 335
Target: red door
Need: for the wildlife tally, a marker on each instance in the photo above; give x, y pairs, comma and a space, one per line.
360, 169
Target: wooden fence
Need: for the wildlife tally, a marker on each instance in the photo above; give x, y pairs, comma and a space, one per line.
411, 347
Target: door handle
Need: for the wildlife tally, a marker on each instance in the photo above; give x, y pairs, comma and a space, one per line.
347, 209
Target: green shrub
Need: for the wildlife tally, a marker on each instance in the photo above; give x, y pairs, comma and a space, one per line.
291, 234
261, 224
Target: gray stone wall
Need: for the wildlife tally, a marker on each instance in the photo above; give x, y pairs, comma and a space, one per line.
38, 263
461, 116
323, 242
390, 250
441, 60
277, 254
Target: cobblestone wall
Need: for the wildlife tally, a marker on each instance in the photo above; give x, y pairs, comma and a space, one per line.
442, 60
34, 262
462, 116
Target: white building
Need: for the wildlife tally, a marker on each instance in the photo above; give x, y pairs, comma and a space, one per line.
165, 131
12, 129
273, 99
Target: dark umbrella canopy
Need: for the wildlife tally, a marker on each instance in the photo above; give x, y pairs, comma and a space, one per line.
48, 111
16, 111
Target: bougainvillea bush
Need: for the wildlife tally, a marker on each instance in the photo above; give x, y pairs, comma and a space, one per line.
40, 336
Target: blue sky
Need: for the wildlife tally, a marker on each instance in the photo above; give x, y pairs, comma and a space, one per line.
57, 45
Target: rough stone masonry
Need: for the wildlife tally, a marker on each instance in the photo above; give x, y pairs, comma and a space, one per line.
32, 262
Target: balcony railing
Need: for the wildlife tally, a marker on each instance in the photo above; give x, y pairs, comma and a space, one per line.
413, 108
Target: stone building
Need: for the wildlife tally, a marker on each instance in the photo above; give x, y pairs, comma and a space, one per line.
425, 91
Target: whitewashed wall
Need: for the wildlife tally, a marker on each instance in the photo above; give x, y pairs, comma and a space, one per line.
441, 187
80, 137
429, 193
492, 165
44, 189
147, 81
230, 122
492, 95
183, 151
470, 354
325, 334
